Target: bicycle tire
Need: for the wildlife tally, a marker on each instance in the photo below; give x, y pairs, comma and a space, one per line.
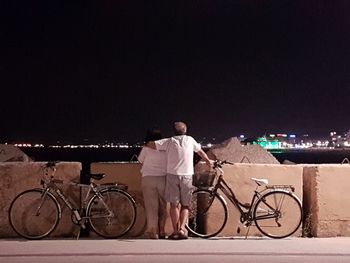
278, 214
33, 214
208, 214
123, 217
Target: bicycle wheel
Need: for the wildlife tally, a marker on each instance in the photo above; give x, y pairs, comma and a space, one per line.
112, 213
34, 214
208, 214
278, 214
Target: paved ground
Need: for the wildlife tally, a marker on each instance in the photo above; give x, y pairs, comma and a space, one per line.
221, 250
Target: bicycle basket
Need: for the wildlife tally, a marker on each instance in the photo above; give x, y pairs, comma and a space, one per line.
204, 179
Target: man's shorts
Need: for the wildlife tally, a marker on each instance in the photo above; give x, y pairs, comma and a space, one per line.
178, 189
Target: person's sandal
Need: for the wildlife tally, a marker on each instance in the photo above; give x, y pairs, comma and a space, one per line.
181, 235
173, 236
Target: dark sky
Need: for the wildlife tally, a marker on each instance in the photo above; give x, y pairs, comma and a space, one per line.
110, 69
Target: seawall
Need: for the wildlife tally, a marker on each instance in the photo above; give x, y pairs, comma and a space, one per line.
323, 190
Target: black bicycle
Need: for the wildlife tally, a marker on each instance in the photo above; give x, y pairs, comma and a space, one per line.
275, 210
109, 209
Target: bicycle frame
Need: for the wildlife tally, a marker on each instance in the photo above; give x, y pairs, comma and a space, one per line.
228, 192
245, 210
54, 190
266, 209
99, 205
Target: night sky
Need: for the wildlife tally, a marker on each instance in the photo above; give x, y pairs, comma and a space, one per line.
108, 70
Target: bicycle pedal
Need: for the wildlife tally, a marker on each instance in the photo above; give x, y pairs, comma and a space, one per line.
247, 224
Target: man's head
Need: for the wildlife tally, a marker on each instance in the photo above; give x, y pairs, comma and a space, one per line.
180, 128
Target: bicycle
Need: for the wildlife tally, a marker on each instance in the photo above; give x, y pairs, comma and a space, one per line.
276, 211
109, 209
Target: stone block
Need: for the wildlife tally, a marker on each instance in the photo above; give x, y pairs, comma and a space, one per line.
128, 174
11, 153
326, 187
16, 177
238, 177
232, 150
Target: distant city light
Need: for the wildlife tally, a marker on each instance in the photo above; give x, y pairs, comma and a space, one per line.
281, 135
268, 141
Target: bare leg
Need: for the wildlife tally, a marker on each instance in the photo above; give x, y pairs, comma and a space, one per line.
175, 216
183, 217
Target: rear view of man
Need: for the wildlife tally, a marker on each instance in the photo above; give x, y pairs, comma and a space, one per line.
180, 149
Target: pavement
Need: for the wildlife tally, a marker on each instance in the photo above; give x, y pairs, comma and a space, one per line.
233, 250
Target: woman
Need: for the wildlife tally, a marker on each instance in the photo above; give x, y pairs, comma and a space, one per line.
153, 186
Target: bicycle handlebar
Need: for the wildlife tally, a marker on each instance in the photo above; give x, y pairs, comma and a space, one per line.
218, 163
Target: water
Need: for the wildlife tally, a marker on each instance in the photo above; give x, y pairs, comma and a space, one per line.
315, 156
84, 155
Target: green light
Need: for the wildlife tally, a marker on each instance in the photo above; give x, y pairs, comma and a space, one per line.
268, 144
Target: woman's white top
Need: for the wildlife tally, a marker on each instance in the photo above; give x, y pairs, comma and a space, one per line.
154, 162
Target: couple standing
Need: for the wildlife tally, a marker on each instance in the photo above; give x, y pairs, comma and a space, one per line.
167, 169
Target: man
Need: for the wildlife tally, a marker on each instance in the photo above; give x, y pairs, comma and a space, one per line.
179, 149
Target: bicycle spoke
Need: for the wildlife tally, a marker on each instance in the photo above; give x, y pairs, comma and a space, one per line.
278, 214
34, 215
112, 214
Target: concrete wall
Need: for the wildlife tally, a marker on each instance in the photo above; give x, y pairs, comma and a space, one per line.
128, 174
323, 190
16, 177
239, 176
326, 189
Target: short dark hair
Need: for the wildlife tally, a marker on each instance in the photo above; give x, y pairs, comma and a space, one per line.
153, 134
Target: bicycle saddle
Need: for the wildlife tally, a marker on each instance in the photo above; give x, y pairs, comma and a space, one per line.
97, 176
260, 182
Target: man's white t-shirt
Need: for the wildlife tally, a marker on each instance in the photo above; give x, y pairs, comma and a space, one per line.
179, 151
154, 162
